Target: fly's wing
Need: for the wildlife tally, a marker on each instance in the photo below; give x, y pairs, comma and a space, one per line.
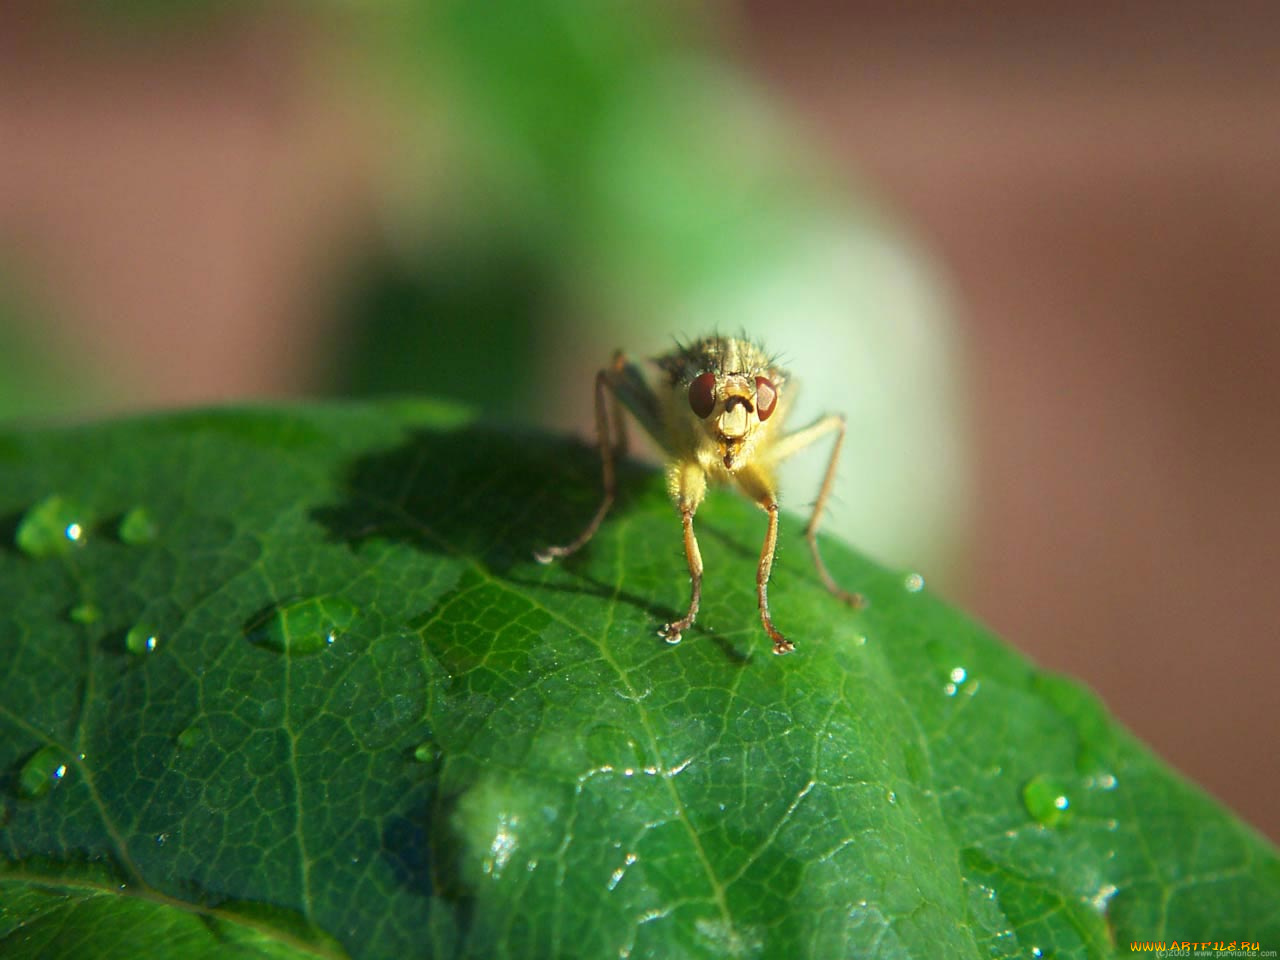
633, 391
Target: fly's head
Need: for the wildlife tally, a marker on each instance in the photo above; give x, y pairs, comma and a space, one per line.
729, 395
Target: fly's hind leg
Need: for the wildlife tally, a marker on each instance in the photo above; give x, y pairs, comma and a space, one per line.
793, 444
610, 450
854, 600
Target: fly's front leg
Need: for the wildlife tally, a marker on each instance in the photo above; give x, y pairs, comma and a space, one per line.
794, 443
758, 484
688, 485
608, 451
780, 643
671, 631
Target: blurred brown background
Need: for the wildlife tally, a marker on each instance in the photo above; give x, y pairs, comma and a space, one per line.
1103, 188
1100, 187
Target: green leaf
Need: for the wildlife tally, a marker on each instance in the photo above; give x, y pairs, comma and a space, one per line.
328, 705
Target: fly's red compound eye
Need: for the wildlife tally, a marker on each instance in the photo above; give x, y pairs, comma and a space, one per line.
766, 398
702, 395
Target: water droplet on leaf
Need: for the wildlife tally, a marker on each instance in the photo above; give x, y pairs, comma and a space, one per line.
303, 626
425, 752
1046, 800
55, 525
611, 748
192, 736
505, 840
42, 771
504, 823
141, 639
615, 878
952, 686
1102, 898
913, 583
85, 613
136, 527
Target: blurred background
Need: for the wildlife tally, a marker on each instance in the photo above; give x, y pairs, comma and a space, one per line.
1032, 252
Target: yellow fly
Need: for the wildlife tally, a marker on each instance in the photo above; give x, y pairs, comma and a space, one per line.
717, 411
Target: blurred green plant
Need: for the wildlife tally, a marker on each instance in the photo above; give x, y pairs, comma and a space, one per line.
563, 178
459, 322
42, 377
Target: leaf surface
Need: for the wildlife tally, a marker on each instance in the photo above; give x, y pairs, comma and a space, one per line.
288, 683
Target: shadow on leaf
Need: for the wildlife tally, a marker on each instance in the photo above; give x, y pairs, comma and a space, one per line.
496, 496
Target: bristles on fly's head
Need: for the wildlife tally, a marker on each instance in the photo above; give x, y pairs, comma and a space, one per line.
721, 355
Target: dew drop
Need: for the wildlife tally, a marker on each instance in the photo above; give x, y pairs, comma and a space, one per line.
615, 878
728, 939
679, 768
612, 748
302, 626
191, 737
913, 583
425, 752
1046, 800
892, 796
141, 639
1102, 898
53, 526
85, 613
161, 839
42, 771
136, 527
505, 840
